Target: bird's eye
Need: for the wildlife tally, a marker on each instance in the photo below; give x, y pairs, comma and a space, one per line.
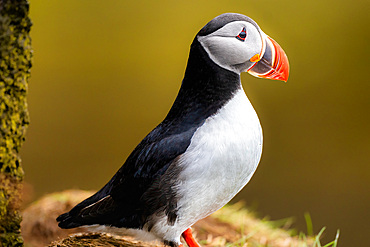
242, 35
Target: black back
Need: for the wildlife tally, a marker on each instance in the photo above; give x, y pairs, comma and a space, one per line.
144, 184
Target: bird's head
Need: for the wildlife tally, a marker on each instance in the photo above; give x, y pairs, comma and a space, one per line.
235, 42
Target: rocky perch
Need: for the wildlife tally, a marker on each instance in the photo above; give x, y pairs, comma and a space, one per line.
232, 225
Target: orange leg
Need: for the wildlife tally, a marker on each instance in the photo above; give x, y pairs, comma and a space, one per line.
189, 239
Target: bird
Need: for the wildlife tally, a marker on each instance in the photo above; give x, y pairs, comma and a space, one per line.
204, 151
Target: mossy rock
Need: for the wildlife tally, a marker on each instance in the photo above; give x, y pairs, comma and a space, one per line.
15, 65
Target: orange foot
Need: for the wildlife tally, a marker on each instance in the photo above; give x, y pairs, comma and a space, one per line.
189, 239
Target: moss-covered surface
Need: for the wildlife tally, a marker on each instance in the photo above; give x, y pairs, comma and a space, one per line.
15, 65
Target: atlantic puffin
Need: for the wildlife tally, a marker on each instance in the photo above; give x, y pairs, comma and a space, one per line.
204, 151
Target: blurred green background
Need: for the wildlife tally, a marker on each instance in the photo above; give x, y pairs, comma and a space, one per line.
106, 73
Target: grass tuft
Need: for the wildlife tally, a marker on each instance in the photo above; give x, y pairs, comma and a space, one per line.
254, 232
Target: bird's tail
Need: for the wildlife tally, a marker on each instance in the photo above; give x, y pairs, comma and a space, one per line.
66, 221
90, 211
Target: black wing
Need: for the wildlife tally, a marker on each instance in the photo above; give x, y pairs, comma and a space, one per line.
139, 188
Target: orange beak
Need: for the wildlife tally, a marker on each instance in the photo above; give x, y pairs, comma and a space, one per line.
273, 65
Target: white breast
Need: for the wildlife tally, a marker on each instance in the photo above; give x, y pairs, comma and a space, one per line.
220, 160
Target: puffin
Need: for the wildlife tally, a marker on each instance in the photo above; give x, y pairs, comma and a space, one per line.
204, 151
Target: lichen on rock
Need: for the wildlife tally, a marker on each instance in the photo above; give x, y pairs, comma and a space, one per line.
15, 65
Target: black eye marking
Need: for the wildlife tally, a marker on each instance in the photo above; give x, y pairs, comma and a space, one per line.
242, 35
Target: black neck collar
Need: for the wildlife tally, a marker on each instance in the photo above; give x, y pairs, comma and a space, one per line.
206, 87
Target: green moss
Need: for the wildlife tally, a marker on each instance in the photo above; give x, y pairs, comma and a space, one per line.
10, 218
11, 239
15, 65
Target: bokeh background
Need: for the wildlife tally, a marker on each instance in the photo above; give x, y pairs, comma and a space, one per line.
106, 72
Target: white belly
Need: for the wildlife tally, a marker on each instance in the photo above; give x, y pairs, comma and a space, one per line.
220, 160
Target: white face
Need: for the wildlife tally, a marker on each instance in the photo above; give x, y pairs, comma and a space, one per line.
231, 52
